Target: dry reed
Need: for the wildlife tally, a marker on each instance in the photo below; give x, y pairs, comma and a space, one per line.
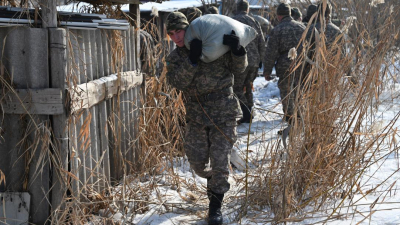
330, 145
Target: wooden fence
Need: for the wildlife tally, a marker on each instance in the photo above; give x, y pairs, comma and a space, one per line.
70, 102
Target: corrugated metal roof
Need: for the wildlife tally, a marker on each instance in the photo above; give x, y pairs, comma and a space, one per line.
168, 6
10, 16
119, 1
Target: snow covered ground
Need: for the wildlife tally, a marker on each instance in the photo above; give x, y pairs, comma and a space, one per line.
184, 201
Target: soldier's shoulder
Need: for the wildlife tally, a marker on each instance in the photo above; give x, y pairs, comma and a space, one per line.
285, 26
173, 56
278, 27
237, 16
241, 18
296, 25
299, 24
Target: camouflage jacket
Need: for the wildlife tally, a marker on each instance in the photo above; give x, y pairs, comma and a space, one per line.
205, 78
331, 32
256, 48
286, 35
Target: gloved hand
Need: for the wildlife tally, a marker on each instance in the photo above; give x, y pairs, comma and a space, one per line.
260, 65
233, 42
195, 50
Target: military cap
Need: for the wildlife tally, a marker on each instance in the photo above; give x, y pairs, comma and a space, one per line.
193, 13
295, 12
242, 5
311, 10
176, 21
212, 10
328, 9
283, 9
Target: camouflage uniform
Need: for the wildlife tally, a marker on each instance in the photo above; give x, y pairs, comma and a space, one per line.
331, 31
255, 55
296, 14
212, 10
337, 22
265, 25
310, 12
283, 37
211, 111
193, 13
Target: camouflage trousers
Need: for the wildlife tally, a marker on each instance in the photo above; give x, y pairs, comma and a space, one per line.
242, 80
288, 96
204, 144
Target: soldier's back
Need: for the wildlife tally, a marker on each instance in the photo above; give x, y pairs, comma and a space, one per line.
253, 48
331, 31
288, 34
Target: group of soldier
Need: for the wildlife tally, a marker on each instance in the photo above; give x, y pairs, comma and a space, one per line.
218, 94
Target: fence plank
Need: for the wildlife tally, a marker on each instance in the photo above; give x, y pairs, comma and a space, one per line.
134, 46
136, 62
58, 65
128, 114
77, 124
84, 134
33, 101
86, 95
110, 107
32, 108
89, 54
46, 95
123, 100
102, 117
22, 131
73, 145
95, 75
116, 114
8, 147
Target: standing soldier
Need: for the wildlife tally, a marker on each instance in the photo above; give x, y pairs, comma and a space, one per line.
211, 107
331, 30
193, 13
285, 36
243, 86
212, 10
296, 14
265, 25
310, 12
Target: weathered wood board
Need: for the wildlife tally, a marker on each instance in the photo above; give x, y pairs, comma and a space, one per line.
33, 101
86, 95
14, 208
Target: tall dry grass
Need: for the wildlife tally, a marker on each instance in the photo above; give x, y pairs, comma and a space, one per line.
335, 140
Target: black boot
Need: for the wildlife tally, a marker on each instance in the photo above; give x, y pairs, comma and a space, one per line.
246, 114
214, 210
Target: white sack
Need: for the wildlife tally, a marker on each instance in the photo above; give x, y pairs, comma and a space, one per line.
210, 29
261, 20
264, 23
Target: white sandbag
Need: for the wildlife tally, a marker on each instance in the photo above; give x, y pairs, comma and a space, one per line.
264, 23
261, 20
210, 29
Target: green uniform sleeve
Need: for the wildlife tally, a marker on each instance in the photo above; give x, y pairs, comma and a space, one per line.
238, 63
261, 43
271, 53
